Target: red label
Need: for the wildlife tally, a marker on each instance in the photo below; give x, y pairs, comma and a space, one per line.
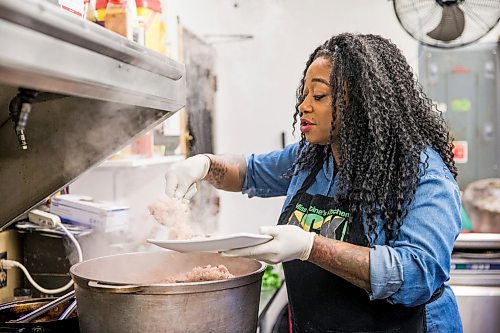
460, 70
73, 6
461, 152
71, 10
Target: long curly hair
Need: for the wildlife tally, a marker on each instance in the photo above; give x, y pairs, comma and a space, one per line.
386, 122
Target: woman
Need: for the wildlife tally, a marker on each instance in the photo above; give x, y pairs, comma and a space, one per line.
372, 208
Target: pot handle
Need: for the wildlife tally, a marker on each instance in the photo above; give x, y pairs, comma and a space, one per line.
125, 289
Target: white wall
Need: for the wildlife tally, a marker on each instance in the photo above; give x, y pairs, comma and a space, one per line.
257, 78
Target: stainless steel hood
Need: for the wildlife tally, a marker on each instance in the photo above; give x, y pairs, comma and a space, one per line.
93, 92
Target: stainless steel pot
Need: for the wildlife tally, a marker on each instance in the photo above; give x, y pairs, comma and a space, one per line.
124, 293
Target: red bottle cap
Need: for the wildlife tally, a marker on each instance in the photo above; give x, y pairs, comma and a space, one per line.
101, 4
154, 5
118, 2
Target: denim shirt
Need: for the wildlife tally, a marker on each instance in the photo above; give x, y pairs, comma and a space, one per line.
409, 270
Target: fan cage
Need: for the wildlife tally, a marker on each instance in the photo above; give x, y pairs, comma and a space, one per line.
418, 17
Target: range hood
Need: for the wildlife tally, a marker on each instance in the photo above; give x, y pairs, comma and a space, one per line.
78, 93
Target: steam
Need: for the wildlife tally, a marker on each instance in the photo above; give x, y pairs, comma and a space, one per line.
154, 217
184, 219
100, 129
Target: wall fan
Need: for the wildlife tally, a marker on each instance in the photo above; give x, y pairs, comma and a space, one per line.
447, 23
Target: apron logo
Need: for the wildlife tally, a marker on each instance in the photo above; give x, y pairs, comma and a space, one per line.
324, 222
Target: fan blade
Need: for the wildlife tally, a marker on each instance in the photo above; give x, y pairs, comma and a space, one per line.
451, 25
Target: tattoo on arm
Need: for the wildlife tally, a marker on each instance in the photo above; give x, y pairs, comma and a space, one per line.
350, 262
227, 172
216, 173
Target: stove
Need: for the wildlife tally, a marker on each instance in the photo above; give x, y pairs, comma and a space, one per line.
475, 280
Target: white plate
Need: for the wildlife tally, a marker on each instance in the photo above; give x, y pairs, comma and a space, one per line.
217, 243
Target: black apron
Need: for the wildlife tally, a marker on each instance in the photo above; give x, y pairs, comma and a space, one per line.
321, 301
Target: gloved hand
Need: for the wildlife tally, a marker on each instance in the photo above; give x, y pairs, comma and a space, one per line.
290, 242
181, 177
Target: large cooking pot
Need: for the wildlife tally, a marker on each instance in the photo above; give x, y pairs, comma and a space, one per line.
47, 323
124, 293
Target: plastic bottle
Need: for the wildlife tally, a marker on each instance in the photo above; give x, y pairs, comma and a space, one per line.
149, 16
121, 16
90, 10
144, 145
100, 7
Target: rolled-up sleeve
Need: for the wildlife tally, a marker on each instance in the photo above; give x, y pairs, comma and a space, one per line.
266, 174
418, 262
386, 272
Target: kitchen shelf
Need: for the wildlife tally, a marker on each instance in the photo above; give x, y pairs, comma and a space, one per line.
49, 50
95, 93
140, 162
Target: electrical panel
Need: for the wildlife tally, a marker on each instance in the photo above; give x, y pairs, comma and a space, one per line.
464, 83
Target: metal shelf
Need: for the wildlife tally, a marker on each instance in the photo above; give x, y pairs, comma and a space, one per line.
52, 51
140, 162
100, 92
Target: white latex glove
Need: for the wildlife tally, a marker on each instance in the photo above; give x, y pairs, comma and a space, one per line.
290, 242
181, 177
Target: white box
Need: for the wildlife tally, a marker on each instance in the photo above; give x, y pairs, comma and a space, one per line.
100, 215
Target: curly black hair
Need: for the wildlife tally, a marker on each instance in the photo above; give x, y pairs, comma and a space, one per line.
386, 122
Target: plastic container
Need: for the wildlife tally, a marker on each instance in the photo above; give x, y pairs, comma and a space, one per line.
100, 8
150, 24
120, 17
90, 11
144, 145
